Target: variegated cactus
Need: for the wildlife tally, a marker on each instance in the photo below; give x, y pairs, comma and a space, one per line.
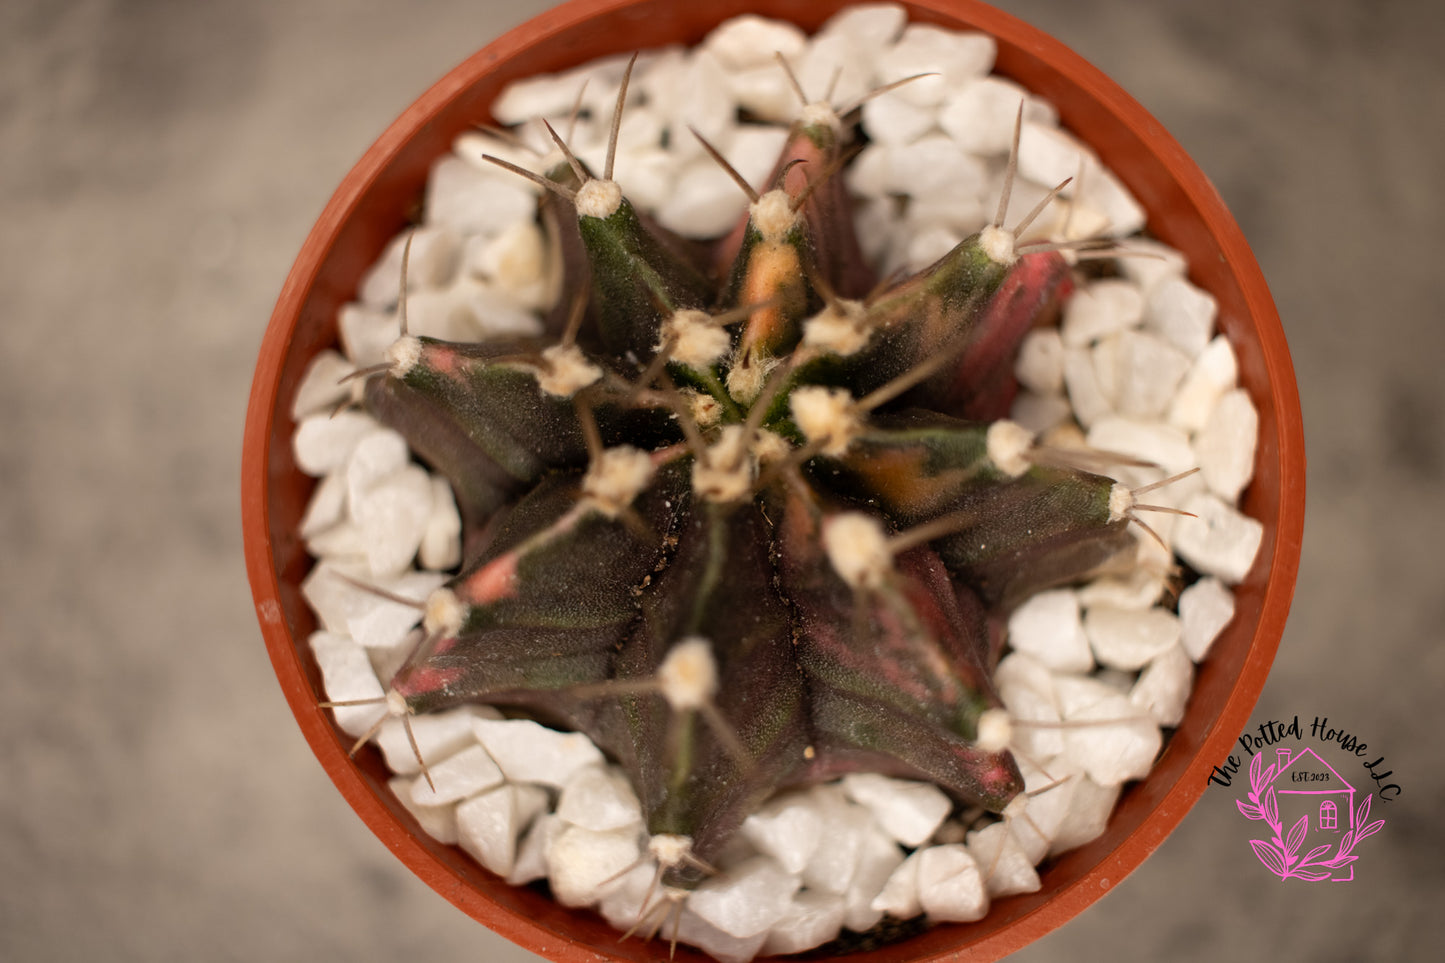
747, 518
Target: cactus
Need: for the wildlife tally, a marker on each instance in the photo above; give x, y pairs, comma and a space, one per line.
748, 527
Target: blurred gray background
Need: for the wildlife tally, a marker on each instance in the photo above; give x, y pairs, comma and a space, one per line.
163, 162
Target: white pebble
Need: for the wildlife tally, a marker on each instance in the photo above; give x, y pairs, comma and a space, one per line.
528, 752
1128, 638
1087, 816
599, 798
751, 41
788, 828
723, 947
1225, 446
347, 676
1214, 372
441, 541
633, 898
544, 95
1164, 685
334, 597
431, 264
954, 57
980, 116
811, 920
867, 24
1040, 364
894, 122
379, 622
366, 333
1007, 869
745, 900
377, 455
1049, 155
753, 151
321, 388
392, 517
438, 822
1040, 413
841, 57
878, 857
488, 824
1150, 370
1219, 541
705, 202
899, 895
1103, 191
1205, 608
326, 507
1154, 442
437, 734
1048, 627
481, 310
458, 776
834, 861
530, 863
1105, 357
472, 201
1099, 309
950, 886
1149, 262
322, 443
1117, 744
1182, 313
908, 811
1085, 393
582, 864
516, 260
764, 92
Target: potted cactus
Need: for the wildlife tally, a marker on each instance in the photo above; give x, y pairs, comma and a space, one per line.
751, 517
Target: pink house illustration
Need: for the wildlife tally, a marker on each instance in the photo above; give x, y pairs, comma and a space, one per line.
1305, 785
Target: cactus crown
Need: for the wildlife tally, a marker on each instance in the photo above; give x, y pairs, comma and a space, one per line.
747, 518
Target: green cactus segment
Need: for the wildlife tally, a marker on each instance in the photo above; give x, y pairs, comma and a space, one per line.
1048, 527
769, 272
811, 156
981, 385
637, 279
547, 606
700, 771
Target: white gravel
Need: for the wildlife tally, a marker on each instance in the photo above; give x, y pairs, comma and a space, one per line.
1137, 363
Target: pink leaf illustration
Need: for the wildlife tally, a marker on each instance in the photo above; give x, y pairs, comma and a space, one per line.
1370, 830
1315, 853
1271, 807
1250, 812
1339, 861
1363, 811
1296, 836
1313, 875
1347, 841
1265, 852
1256, 772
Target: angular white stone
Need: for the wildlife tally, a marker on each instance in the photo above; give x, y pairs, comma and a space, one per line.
479, 309
788, 828
1225, 446
1150, 441
1100, 309
1040, 364
754, 150
1205, 608
1182, 313
346, 675
1118, 743
583, 865
543, 95
954, 57
1087, 816
441, 541
1150, 370
701, 102
431, 264
764, 91
930, 244
704, 203
1103, 191
1085, 393
908, 811
599, 798
327, 506
1219, 541
1049, 155
1215, 371
1007, 869
516, 261
865, 24
837, 55
1048, 627
751, 41
1129, 638
530, 864
894, 122
1150, 262
834, 862
392, 516
878, 857
1034, 721
950, 886
438, 735
723, 947
381, 623
1139, 589
488, 824
899, 895
528, 752
322, 443
1164, 686
321, 388
469, 200
377, 455
1040, 413
980, 115
458, 776
1029, 673
747, 899
366, 333
1105, 356
636, 895
438, 822
812, 919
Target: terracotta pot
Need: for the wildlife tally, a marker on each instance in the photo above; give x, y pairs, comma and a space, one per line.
1184, 210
